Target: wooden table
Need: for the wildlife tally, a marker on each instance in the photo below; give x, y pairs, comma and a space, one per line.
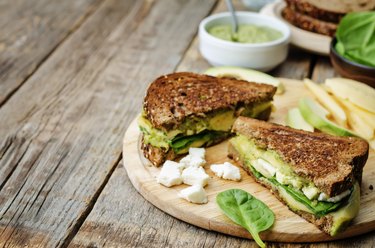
72, 77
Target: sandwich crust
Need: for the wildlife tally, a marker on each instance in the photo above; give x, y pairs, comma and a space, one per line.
172, 98
309, 23
332, 163
309, 9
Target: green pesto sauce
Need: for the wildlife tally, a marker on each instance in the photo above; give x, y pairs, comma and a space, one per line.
247, 33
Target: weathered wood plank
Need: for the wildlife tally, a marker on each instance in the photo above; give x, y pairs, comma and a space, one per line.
323, 69
30, 30
61, 132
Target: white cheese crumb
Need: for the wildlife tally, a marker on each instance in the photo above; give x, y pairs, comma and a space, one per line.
194, 194
310, 191
267, 166
170, 174
197, 152
192, 161
324, 197
195, 175
227, 171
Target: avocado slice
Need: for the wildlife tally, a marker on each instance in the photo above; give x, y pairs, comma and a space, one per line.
246, 74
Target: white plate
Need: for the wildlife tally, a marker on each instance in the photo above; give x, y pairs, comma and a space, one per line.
306, 40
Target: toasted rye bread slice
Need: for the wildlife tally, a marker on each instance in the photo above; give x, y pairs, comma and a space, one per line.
308, 9
332, 163
324, 223
172, 98
309, 23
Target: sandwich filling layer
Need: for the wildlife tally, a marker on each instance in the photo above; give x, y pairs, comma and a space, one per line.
198, 131
300, 194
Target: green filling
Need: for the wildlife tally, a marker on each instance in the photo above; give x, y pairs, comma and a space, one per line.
319, 208
181, 144
197, 131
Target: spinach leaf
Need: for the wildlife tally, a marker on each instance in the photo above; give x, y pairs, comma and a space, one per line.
319, 208
356, 37
183, 142
246, 211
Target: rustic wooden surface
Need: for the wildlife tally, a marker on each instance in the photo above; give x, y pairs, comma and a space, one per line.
73, 74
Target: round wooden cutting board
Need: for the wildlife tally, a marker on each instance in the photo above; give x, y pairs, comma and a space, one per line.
288, 227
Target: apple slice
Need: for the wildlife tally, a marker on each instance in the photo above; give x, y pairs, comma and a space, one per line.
364, 114
358, 93
316, 115
360, 126
245, 74
327, 101
295, 120
372, 144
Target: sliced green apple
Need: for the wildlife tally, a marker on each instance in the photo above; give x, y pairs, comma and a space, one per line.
245, 74
295, 120
316, 115
356, 92
327, 101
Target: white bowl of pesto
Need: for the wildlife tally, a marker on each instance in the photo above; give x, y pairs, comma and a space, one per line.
261, 42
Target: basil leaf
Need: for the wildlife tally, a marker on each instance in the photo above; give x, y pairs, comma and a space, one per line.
246, 211
356, 37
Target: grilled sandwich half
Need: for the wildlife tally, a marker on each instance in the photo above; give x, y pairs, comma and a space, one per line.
316, 175
183, 110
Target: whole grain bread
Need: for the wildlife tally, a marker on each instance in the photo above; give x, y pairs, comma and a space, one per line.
309, 23
332, 163
308, 9
324, 223
172, 98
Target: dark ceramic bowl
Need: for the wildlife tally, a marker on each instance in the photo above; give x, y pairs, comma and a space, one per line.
350, 69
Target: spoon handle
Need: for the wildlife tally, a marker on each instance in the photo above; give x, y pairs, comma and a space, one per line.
234, 18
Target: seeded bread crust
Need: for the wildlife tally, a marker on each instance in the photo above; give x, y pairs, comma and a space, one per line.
172, 98
309, 23
332, 163
324, 223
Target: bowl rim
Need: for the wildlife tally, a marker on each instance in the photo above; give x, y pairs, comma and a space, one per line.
284, 39
350, 62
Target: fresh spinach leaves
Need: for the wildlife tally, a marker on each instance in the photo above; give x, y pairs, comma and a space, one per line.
356, 37
246, 211
181, 143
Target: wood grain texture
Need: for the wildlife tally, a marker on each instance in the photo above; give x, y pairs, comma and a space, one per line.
323, 70
288, 227
30, 31
61, 145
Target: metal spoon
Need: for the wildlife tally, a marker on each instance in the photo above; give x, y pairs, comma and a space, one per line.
234, 18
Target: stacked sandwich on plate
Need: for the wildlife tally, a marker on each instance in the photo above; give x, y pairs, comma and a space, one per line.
322, 16
316, 175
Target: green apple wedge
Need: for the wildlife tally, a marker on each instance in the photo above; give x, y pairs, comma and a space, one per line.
295, 120
316, 115
245, 74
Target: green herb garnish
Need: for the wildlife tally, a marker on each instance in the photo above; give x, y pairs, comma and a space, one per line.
356, 37
246, 211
